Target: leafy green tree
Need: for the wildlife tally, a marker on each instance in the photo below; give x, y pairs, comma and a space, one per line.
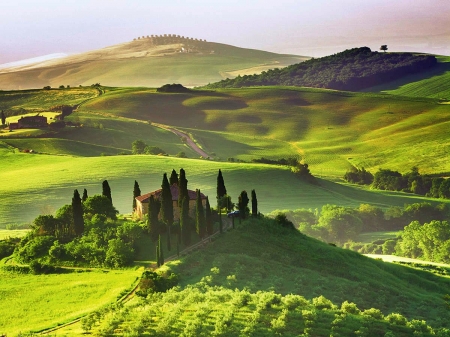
339, 224
65, 227
254, 204
77, 209
106, 190
166, 211
208, 218
3, 117
45, 225
138, 147
173, 178
444, 189
99, 204
136, 193
184, 222
384, 47
119, 254
200, 224
243, 204
154, 150
85, 195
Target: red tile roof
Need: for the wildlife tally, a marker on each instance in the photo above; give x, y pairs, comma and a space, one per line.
175, 192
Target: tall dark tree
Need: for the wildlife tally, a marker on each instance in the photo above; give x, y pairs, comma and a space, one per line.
160, 252
254, 204
182, 188
173, 178
184, 222
152, 218
200, 224
106, 190
77, 209
3, 117
85, 195
221, 192
208, 218
166, 207
136, 193
243, 204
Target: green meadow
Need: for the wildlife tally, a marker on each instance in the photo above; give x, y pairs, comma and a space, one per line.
37, 302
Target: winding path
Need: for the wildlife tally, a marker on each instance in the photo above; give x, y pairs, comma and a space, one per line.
184, 135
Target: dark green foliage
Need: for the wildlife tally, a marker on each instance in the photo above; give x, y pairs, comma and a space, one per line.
176, 88
339, 224
173, 178
254, 204
359, 176
352, 70
281, 219
136, 193
166, 211
106, 190
85, 195
182, 187
153, 224
152, 282
200, 225
138, 147
99, 204
118, 254
31, 248
154, 150
77, 211
287, 162
7, 246
160, 254
243, 204
45, 225
208, 218
3, 117
221, 189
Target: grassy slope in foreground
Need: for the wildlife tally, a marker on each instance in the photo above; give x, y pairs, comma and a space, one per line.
34, 302
305, 266
43, 183
137, 64
331, 130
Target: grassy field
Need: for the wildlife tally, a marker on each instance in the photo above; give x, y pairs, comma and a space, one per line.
16, 233
35, 302
48, 182
375, 236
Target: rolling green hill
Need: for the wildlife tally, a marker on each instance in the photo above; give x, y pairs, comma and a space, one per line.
147, 62
250, 269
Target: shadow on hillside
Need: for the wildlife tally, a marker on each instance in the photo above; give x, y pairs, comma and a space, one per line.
439, 70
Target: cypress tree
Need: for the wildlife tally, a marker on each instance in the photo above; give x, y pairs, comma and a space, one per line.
242, 204
208, 218
152, 218
182, 189
173, 178
106, 190
3, 117
85, 195
199, 216
221, 191
157, 256
184, 222
77, 209
166, 207
254, 204
160, 252
136, 193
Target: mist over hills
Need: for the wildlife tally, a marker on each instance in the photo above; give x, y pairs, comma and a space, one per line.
146, 61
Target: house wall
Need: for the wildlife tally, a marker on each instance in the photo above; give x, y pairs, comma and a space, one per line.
142, 209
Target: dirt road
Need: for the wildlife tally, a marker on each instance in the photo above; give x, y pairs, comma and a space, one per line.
184, 135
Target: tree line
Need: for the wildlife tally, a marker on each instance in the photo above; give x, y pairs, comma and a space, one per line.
352, 69
410, 182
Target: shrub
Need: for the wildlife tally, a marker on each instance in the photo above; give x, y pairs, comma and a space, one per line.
323, 303
396, 318
292, 301
349, 307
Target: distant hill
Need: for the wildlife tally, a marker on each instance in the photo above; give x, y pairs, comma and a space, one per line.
352, 70
149, 61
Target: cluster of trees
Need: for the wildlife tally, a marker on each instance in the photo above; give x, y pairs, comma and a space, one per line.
414, 182
352, 69
177, 88
139, 147
359, 176
339, 224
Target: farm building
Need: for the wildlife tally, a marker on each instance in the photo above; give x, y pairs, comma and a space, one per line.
143, 201
29, 122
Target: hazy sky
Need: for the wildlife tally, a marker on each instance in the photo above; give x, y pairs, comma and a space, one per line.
30, 28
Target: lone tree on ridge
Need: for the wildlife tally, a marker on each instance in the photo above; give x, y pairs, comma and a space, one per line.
384, 47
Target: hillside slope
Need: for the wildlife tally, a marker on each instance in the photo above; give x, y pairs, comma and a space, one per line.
149, 62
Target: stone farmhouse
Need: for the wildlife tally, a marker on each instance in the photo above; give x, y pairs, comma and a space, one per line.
29, 122
143, 201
